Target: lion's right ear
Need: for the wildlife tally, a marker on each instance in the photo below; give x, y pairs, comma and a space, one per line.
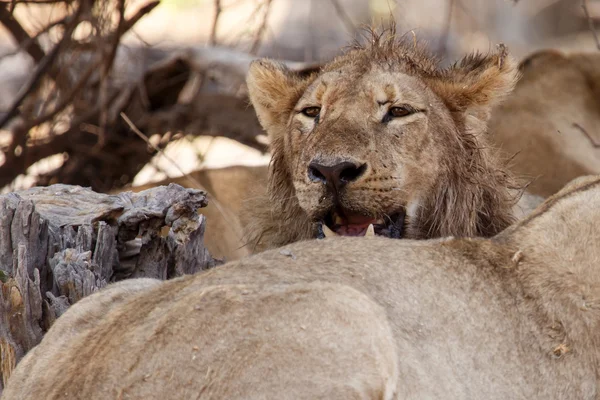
274, 90
477, 83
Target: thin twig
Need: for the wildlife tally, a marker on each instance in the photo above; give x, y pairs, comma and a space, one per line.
35, 79
116, 38
261, 29
20, 34
250, 20
68, 97
54, 144
84, 78
584, 5
446, 31
129, 23
108, 65
213, 32
32, 41
587, 135
203, 156
157, 149
170, 160
62, 97
350, 27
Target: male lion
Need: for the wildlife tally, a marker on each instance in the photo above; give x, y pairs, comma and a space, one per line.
512, 317
551, 121
382, 136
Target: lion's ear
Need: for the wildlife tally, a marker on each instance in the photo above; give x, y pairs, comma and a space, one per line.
273, 91
477, 82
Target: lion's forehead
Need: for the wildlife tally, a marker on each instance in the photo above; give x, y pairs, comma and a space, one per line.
369, 89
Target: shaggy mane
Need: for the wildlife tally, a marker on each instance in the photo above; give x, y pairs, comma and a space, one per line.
475, 194
386, 48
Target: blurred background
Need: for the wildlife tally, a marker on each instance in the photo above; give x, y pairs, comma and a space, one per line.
113, 93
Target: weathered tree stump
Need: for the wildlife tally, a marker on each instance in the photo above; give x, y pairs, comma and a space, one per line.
61, 243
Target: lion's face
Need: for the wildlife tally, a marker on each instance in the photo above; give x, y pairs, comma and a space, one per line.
382, 137
365, 151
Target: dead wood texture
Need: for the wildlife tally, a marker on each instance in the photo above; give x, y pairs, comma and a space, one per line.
62, 242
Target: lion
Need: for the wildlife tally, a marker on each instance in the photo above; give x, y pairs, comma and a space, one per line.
228, 189
551, 121
382, 136
512, 316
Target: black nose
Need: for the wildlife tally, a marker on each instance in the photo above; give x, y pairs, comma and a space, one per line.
335, 175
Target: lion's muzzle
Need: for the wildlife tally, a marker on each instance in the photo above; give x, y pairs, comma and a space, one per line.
342, 219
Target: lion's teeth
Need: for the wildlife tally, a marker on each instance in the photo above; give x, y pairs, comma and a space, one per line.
328, 232
370, 231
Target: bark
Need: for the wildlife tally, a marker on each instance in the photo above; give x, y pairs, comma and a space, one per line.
61, 243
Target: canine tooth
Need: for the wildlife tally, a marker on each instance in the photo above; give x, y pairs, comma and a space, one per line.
328, 232
370, 231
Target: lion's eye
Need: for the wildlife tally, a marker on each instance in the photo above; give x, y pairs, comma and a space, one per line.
398, 112
311, 112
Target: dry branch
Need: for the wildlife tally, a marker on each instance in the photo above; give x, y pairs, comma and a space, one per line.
213, 31
153, 104
27, 42
442, 48
84, 92
93, 80
42, 68
61, 243
261, 29
587, 135
584, 6
344, 17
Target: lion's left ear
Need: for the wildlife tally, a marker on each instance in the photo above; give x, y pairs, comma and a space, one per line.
477, 82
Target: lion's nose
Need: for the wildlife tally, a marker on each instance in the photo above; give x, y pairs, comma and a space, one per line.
337, 175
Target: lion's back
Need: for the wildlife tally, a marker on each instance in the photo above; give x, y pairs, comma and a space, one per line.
331, 341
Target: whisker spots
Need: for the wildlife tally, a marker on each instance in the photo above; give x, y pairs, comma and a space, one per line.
379, 179
376, 190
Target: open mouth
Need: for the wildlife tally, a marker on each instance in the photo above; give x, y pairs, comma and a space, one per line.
353, 224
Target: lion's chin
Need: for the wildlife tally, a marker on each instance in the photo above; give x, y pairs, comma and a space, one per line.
351, 224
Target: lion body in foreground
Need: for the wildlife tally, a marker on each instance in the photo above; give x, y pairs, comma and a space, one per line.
550, 124
514, 316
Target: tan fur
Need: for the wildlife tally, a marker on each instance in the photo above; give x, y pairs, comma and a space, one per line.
516, 316
437, 164
544, 122
229, 188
